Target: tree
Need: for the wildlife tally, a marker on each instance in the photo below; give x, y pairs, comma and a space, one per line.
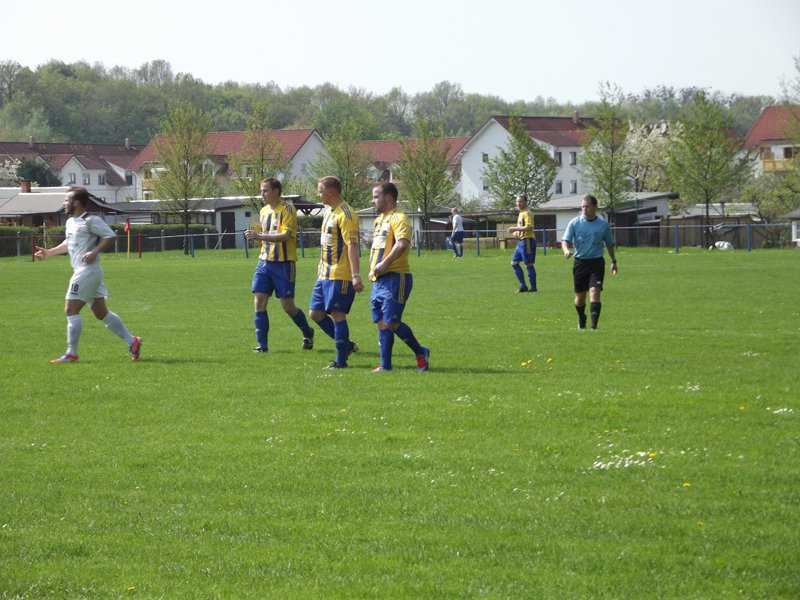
605, 157
39, 172
184, 173
649, 164
346, 159
522, 168
261, 157
423, 169
9, 71
708, 160
8, 173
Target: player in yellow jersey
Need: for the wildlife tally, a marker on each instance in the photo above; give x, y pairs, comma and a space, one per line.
526, 246
276, 264
391, 277
338, 273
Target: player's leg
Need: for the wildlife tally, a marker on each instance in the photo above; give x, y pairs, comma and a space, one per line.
595, 287
341, 337
516, 258
262, 289
72, 308
385, 335
115, 325
530, 258
401, 286
284, 290
317, 310
339, 296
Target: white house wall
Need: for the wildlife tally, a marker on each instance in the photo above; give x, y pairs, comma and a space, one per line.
306, 154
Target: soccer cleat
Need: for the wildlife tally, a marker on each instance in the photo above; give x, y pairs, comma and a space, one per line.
65, 358
136, 346
581, 322
521, 289
353, 348
335, 365
308, 342
422, 360
381, 370
260, 350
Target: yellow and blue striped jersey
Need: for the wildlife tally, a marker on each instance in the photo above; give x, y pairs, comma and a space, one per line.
339, 229
525, 219
387, 230
281, 220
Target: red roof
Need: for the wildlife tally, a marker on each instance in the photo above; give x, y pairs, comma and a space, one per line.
773, 125
556, 131
57, 155
388, 151
223, 143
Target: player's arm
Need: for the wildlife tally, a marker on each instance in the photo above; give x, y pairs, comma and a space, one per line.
612, 255
90, 256
396, 252
352, 254
43, 253
565, 248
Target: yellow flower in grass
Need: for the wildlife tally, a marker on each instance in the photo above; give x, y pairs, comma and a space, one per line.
687, 484
652, 454
549, 360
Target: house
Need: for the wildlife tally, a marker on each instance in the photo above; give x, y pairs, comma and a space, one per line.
386, 157
34, 207
794, 217
300, 146
560, 136
769, 138
103, 169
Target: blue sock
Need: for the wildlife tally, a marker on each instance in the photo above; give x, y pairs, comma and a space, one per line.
520, 275
532, 276
341, 340
300, 320
262, 328
404, 333
386, 341
327, 326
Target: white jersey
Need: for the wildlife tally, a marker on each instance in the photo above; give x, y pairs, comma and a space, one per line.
457, 224
83, 235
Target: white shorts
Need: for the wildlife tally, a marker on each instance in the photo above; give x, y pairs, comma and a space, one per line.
86, 285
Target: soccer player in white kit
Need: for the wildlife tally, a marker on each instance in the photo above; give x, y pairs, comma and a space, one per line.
87, 237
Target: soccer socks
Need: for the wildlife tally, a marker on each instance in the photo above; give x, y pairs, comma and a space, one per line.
300, 320
115, 325
594, 311
262, 328
74, 328
404, 333
341, 339
386, 342
327, 326
532, 276
581, 316
520, 275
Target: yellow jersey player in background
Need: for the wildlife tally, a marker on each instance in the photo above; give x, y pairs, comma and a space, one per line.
391, 277
276, 264
526, 246
338, 277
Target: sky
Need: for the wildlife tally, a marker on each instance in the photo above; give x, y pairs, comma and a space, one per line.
513, 49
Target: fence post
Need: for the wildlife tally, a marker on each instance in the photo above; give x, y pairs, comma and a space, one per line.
191, 243
749, 245
163, 242
205, 235
544, 242
33, 248
676, 240
19, 243
418, 242
359, 243
302, 245
116, 245
246, 253
140, 245
478, 240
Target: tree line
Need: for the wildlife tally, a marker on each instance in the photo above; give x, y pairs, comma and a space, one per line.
90, 103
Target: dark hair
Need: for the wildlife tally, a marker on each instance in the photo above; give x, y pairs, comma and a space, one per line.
331, 183
387, 188
591, 199
274, 183
522, 197
80, 194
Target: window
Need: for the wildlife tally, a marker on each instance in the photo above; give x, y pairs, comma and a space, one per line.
101, 180
557, 157
559, 188
87, 179
573, 187
72, 177
128, 179
789, 153
485, 157
485, 187
766, 154
303, 167
247, 214
148, 173
573, 158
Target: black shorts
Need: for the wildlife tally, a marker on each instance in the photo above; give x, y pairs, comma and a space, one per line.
457, 237
588, 273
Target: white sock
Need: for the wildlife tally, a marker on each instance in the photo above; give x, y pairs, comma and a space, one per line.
114, 323
74, 328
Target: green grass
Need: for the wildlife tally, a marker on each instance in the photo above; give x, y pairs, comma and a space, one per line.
205, 471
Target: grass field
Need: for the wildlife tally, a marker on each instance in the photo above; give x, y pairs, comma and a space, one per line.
656, 457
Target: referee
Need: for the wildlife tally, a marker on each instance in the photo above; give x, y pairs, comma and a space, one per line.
588, 233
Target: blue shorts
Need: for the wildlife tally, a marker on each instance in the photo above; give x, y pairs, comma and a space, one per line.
332, 295
275, 277
525, 251
457, 237
389, 294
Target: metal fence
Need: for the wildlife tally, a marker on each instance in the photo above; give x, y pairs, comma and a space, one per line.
740, 236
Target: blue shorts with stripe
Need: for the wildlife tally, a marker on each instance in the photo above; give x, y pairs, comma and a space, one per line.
457, 237
525, 251
332, 295
275, 277
389, 294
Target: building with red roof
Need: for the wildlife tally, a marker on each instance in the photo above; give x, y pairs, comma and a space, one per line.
771, 136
